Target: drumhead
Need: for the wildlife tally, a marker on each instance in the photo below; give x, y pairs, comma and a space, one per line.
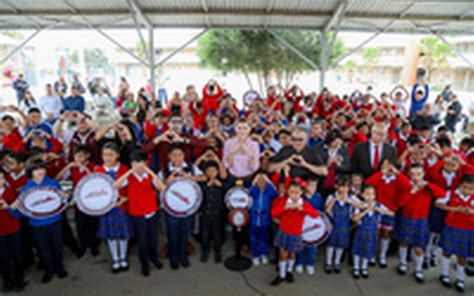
238, 197
181, 198
238, 217
316, 230
95, 194
42, 202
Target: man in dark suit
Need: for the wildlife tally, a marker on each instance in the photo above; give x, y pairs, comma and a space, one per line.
368, 156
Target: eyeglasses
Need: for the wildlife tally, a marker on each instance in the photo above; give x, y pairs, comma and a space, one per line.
294, 139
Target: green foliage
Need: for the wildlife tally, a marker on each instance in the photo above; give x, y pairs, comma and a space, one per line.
95, 56
257, 51
434, 53
371, 56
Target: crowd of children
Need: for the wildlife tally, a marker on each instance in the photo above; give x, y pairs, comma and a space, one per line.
387, 179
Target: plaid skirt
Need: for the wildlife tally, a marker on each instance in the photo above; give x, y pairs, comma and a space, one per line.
414, 232
436, 220
457, 241
115, 225
291, 243
340, 237
365, 242
387, 222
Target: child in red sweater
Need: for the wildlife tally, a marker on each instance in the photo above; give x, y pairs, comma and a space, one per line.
290, 212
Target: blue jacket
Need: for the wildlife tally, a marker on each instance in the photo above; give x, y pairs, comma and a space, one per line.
37, 222
76, 103
415, 105
262, 200
317, 201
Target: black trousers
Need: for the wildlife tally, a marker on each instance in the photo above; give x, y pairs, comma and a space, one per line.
146, 231
27, 242
68, 235
49, 243
211, 230
87, 227
11, 257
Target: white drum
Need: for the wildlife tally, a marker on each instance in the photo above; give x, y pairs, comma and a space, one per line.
42, 202
181, 198
249, 96
238, 197
95, 194
316, 230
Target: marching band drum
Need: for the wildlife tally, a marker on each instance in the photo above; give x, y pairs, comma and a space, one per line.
181, 198
42, 202
95, 194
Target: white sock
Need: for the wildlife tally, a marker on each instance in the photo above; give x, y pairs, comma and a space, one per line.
356, 260
365, 263
384, 244
460, 274
418, 263
445, 265
282, 268
289, 265
339, 252
403, 254
329, 254
113, 249
123, 245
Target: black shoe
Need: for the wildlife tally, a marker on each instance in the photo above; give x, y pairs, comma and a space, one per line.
218, 257
62, 273
174, 265
337, 268
146, 271
47, 277
289, 277
115, 267
328, 269
277, 281
20, 286
402, 269
124, 267
185, 263
433, 262
95, 251
445, 281
80, 253
425, 265
158, 264
372, 263
355, 274
364, 273
204, 256
419, 277
383, 265
459, 286
7, 286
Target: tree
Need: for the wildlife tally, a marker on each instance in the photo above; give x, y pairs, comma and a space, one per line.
95, 56
371, 57
259, 52
349, 68
434, 54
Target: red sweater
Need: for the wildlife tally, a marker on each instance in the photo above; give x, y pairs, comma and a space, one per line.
456, 219
142, 197
8, 224
417, 205
389, 193
13, 141
17, 182
435, 175
291, 221
77, 174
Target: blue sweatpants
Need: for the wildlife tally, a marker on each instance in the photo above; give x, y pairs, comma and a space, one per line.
259, 240
306, 256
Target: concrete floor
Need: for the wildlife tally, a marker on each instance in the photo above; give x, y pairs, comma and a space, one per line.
91, 276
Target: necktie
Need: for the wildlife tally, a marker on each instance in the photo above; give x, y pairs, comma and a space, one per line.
375, 165
112, 174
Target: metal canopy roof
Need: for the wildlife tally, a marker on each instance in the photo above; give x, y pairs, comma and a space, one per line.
450, 17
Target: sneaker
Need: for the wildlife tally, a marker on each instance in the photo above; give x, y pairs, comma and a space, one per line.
419, 277
355, 274
310, 269
459, 286
299, 269
256, 261
115, 267
445, 281
289, 277
277, 281
383, 262
328, 268
124, 265
402, 269
365, 273
337, 268
264, 260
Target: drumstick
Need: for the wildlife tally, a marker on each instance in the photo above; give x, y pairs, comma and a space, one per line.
181, 197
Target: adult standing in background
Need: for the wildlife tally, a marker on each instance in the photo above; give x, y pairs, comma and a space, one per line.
75, 102
78, 84
20, 85
60, 86
51, 104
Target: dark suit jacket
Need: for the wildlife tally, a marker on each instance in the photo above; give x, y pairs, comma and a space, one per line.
361, 158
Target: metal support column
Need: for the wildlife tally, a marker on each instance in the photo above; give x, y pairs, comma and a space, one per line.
151, 62
324, 57
455, 49
20, 46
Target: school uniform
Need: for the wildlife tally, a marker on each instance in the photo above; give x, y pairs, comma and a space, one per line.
457, 237
178, 229
143, 211
11, 252
341, 220
47, 232
115, 224
260, 219
307, 255
365, 239
413, 228
291, 223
